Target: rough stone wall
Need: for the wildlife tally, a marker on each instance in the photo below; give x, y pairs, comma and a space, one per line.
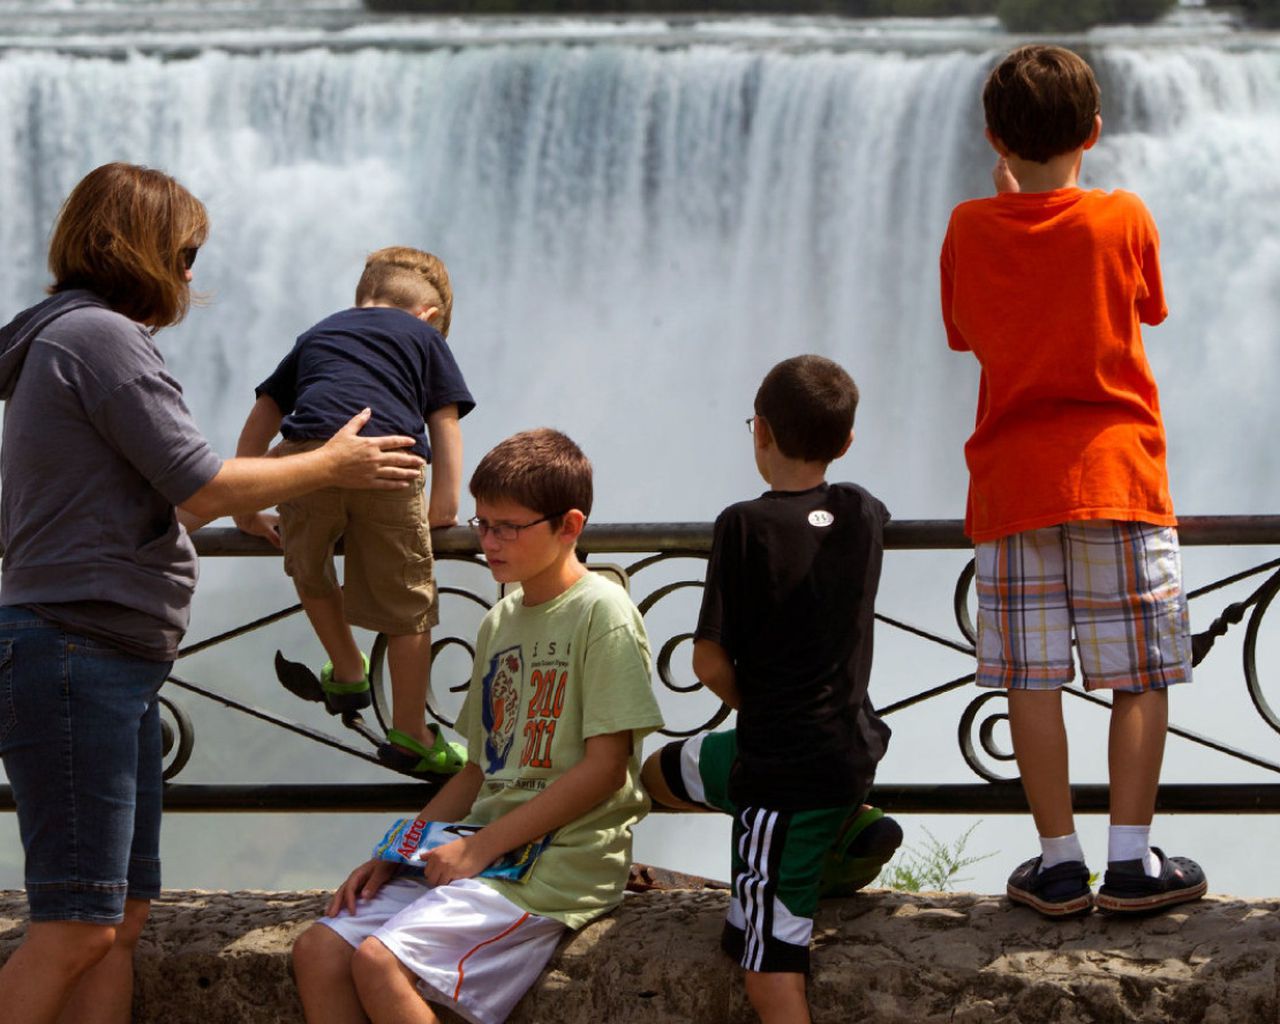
879, 958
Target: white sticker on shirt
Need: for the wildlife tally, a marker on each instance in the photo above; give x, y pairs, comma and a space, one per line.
821, 517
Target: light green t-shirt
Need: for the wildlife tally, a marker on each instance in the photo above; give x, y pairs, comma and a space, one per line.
546, 679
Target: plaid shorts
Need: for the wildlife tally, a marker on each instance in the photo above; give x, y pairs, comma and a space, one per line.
1117, 586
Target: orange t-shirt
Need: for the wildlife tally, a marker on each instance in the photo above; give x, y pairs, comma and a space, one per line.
1047, 289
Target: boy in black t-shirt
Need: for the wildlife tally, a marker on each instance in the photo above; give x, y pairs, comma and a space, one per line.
784, 637
387, 353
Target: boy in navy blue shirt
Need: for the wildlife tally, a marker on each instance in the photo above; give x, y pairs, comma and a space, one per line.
388, 354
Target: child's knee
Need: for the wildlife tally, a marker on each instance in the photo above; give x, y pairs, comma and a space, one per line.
320, 949
373, 964
651, 775
777, 996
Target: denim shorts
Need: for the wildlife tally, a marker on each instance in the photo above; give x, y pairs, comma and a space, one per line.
81, 745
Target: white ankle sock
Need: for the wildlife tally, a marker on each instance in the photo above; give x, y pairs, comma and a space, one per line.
1059, 850
1132, 842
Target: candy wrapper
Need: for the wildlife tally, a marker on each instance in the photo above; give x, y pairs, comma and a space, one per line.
409, 840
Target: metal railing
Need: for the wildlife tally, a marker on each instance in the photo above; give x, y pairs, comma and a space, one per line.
665, 544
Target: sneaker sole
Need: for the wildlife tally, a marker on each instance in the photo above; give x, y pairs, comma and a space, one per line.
1147, 904
1077, 907
337, 703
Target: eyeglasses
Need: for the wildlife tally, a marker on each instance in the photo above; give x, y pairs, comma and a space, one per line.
751, 425
506, 531
188, 256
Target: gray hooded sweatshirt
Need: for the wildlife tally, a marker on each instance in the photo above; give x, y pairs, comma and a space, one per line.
98, 448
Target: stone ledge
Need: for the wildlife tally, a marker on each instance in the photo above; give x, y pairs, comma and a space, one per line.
882, 958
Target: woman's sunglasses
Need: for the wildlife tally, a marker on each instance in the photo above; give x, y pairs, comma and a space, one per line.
189, 256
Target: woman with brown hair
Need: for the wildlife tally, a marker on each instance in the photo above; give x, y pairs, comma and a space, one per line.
103, 471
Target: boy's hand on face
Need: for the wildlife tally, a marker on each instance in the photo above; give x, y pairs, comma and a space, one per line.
1003, 178
462, 858
260, 524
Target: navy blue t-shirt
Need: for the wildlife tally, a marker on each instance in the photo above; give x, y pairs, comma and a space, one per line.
375, 356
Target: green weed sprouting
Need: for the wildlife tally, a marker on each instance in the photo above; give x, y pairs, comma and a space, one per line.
931, 866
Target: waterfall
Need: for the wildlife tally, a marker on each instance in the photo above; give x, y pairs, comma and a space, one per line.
638, 230
637, 233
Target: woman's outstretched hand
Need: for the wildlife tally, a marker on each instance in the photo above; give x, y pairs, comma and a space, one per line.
371, 462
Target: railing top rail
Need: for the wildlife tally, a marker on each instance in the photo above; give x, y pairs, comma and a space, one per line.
652, 544
695, 538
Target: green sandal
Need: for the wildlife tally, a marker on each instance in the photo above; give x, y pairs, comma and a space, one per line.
859, 854
339, 697
441, 758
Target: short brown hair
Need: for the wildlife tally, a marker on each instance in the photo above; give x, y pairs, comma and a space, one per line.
121, 234
1040, 102
541, 469
809, 403
407, 278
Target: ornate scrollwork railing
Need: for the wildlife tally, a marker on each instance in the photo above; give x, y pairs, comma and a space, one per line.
680, 549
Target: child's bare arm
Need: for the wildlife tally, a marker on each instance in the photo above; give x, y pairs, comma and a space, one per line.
445, 435
714, 669
261, 425
601, 772
454, 799
451, 803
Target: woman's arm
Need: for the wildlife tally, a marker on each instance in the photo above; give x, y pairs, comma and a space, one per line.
346, 460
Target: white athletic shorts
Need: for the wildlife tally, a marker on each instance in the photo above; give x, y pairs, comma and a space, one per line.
471, 948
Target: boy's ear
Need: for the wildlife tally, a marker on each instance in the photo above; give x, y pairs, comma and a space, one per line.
995, 142
428, 313
571, 525
762, 433
1093, 135
846, 446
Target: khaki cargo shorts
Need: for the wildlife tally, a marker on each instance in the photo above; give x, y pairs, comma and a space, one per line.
388, 579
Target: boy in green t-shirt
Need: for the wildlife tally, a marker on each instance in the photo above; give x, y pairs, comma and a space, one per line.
559, 701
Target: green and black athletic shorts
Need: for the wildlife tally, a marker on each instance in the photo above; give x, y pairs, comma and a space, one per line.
777, 856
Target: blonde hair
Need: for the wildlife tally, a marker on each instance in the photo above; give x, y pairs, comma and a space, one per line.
121, 234
408, 279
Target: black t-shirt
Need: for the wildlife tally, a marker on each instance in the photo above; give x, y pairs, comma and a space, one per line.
375, 356
790, 596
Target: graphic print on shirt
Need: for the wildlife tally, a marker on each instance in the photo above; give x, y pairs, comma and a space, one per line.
502, 686
548, 680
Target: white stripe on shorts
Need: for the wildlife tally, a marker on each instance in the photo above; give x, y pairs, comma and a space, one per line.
756, 891
690, 751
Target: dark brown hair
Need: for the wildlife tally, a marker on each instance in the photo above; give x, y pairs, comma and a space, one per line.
809, 403
541, 469
407, 279
121, 234
1040, 102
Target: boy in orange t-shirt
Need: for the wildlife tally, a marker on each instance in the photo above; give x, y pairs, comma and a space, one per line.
1069, 503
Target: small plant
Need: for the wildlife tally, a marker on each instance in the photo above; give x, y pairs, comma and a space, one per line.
933, 866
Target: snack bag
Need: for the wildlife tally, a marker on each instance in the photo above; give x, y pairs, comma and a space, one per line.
409, 840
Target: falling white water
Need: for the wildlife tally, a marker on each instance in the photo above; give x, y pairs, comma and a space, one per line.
639, 222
